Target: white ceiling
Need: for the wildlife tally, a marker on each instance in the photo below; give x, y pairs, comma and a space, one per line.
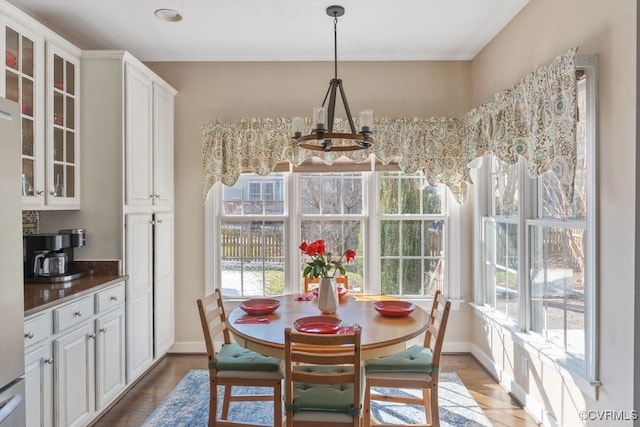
279, 30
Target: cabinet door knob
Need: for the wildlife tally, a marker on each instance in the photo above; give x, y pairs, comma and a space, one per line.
48, 361
157, 196
40, 193
151, 196
53, 193
28, 335
103, 330
78, 313
114, 298
158, 221
92, 336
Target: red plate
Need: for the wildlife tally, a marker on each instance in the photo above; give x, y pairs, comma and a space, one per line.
394, 308
260, 306
318, 324
342, 291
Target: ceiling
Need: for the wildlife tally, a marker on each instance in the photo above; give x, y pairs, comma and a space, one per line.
279, 30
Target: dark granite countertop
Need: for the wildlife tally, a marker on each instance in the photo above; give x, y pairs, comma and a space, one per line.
40, 296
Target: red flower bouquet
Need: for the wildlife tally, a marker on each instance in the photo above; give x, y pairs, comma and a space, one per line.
322, 263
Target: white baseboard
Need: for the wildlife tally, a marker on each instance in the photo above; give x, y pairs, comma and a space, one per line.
188, 347
531, 405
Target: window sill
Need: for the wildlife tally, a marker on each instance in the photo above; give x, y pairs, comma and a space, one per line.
537, 347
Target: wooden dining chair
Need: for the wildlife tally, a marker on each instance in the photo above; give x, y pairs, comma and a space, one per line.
417, 367
341, 281
233, 365
324, 378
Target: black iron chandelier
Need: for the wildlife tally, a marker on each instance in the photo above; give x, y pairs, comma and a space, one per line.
322, 137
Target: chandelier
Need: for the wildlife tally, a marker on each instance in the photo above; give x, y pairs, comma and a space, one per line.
322, 136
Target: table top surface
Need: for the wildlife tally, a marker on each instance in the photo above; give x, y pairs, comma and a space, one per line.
378, 332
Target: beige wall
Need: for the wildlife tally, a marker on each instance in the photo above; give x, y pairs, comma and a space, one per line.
542, 30
230, 91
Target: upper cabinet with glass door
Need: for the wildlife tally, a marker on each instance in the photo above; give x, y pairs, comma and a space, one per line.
23, 83
63, 173
45, 83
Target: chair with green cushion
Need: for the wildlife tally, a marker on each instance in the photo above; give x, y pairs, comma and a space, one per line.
324, 378
234, 365
414, 368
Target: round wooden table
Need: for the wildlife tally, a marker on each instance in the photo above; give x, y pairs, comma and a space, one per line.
380, 335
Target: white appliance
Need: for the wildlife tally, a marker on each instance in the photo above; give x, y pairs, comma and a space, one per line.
12, 409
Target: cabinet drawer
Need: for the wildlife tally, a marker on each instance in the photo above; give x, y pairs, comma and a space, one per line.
37, 328
73, 313
110, 298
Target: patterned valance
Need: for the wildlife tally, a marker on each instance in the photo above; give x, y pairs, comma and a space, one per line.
535, 119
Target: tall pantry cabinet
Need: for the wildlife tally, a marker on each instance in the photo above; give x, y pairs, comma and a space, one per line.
129, 167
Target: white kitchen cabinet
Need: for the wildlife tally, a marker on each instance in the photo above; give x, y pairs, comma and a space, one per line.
110, 345
138, 137
39, 385
148, 140
63, 133
80, 344
41, 73
74, 367
130, 162
23, 79
163, 101
139, 259
163, 282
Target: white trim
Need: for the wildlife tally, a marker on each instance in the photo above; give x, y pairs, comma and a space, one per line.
534, 345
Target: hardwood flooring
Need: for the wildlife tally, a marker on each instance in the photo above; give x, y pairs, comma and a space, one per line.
135, 406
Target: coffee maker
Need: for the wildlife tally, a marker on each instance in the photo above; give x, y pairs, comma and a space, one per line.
48, 257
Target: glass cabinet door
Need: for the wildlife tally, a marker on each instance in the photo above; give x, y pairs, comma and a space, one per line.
21, 85
62, 129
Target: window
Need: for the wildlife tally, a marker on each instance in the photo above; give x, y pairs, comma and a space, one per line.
256, 226
412, 235
537, 253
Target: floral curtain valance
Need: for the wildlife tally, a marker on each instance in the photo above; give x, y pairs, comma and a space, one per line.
536, 119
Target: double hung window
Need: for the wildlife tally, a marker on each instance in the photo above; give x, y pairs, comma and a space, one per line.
537, 256
397, 224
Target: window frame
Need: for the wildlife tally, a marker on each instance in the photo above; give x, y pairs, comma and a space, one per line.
530, 215
292, 218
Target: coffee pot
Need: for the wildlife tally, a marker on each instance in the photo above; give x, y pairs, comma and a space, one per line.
48, 257
50, 264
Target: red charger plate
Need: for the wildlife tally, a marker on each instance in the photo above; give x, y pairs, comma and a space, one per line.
394, 308
342, 291
318, 324
260, 306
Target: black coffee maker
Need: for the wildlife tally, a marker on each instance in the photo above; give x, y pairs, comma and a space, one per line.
48, 257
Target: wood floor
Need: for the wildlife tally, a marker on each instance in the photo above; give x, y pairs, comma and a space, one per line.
146, 395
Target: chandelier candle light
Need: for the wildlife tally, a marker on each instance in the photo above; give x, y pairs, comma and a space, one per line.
321, 265
322, 137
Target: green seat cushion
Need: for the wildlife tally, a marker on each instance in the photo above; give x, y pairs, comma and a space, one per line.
416, 358
326, 397
233, 357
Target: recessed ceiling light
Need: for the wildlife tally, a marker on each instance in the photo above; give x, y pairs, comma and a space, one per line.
168, 15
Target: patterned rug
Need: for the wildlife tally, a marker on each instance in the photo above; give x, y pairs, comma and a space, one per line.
188, 406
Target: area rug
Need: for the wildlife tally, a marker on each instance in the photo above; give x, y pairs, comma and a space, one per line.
188, 406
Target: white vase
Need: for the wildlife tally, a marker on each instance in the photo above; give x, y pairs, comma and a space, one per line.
327, 296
